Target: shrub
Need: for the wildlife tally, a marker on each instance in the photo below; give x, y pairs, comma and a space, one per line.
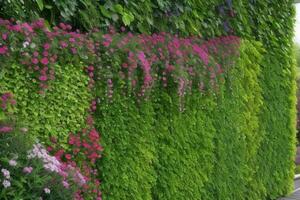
27, 170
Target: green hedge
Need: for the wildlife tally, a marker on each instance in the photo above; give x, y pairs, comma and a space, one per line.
266, 143
62, 109
152, 150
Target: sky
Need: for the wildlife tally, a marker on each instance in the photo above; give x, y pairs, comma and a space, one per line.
297, 25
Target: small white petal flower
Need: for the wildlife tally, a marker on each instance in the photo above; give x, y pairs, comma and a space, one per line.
6, 183
47, 190
12, 163
25, 44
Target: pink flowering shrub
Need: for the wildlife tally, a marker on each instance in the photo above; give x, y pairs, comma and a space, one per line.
116, 64
28, 170
138, 62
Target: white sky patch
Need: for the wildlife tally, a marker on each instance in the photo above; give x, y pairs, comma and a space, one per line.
297, 25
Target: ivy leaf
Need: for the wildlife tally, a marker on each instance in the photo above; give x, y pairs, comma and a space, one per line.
118, 8
127, 18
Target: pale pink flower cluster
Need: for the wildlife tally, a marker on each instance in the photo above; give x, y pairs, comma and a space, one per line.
12, 163
50, 162
27, 170
53, 165
6, 174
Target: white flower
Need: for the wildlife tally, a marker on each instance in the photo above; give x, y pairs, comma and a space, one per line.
6, 183
47, 190
12, 163
5, 173
25, 44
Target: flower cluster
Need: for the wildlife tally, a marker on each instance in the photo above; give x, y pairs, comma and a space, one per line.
6, 174
140, 61
52, 164
39, 49
165, 60
83, 150
7, 99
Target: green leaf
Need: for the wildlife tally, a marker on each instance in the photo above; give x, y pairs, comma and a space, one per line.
40, 4
127, 18
105, 12
48, 7
118, 8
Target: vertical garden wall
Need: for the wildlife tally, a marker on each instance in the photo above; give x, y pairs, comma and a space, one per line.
206, 111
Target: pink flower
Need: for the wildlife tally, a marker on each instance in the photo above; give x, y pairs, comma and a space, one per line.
90, 68
4, 36
63, 44
44, 61
46, 46
5, 129
202, 54
3, 49
35, 61
66, 184
72, 40
43, 78
68, 156
27, 170
35, 54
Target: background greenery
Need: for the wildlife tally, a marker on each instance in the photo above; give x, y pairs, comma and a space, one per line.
128, 136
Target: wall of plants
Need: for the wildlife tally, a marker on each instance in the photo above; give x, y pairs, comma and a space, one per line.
206, 111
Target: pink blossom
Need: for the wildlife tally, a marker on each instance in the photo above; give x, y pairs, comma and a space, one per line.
202, 54
63, 44
72, 40
35, 54
43, 78
68, 156
4, 36
46, 46
3, 49
27, 170
44, 61
66, 184
35, 61
5, 129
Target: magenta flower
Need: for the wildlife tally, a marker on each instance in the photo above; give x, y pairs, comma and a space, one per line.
46, 46
202, 54
43, 78
66, 184
5, 129
35, 61
35, 54
63, 44
4, 36
3, 49
44, 61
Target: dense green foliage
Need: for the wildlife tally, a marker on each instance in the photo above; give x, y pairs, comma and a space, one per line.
152, 150
235, 144
62, 109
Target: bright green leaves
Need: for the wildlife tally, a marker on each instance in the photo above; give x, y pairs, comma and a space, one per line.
40, 4
127, 18
63, 107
